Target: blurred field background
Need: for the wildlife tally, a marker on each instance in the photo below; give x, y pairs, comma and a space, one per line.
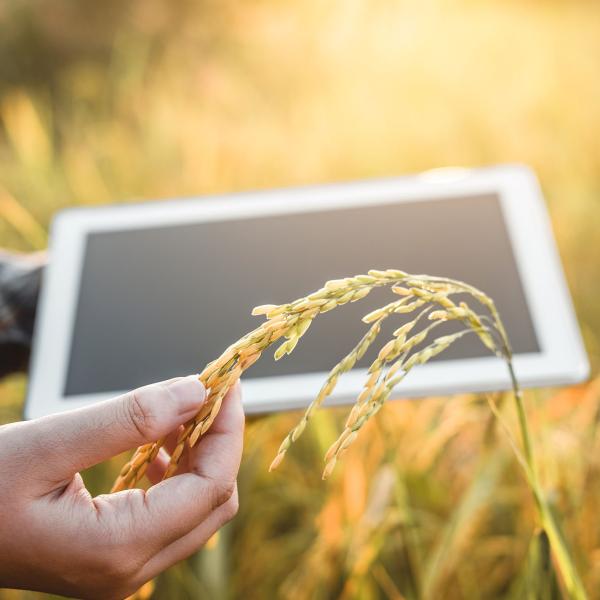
112, 101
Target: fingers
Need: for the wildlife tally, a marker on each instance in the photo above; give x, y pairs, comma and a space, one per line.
78, 439
178, 505
219, 452
191, 542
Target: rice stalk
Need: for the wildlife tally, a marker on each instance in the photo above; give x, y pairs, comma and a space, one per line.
289, 321
394, 361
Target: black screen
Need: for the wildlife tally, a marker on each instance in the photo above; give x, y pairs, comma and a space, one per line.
160, 302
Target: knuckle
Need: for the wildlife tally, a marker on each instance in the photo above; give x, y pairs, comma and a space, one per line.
231, 508
139, 417
222, 491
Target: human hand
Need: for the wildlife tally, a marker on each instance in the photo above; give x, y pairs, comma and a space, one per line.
54, 537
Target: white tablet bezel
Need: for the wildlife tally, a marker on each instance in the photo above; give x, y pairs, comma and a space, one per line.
562, 358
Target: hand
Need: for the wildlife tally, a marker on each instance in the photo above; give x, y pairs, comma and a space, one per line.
54, 537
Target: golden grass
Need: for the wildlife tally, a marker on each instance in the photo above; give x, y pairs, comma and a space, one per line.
22, 221
456, 508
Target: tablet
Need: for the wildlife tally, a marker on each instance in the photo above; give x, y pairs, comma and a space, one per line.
143, 292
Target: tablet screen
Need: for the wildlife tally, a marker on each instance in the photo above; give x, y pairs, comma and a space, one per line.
160, 302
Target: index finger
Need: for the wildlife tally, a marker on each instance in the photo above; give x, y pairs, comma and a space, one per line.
179, 504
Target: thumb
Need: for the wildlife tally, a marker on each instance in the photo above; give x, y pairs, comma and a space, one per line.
77, 439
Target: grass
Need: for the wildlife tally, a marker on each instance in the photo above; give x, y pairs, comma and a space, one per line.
160, 99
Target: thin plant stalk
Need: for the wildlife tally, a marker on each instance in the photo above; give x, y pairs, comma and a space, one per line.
566, 567
394, 361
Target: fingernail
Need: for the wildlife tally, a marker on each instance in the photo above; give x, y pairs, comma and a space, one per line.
188, 392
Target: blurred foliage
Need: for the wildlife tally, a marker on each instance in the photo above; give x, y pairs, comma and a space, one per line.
108, 101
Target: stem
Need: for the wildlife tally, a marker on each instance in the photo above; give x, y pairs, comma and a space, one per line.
563, 558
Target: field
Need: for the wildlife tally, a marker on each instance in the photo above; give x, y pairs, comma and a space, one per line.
112, 101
